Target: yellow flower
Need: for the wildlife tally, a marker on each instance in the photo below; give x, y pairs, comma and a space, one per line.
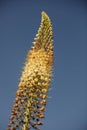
29, 104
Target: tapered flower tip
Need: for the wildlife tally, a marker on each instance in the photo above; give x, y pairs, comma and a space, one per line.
45, 17
44, 36
44, 14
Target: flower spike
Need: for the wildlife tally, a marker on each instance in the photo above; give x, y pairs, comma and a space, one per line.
31, 96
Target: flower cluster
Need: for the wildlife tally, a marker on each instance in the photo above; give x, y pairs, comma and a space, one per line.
30, 102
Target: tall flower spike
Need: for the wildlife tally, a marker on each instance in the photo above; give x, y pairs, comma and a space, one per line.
30, 102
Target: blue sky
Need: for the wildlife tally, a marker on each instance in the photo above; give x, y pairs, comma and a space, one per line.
19, 22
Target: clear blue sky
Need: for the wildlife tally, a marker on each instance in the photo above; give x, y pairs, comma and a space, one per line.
19, 22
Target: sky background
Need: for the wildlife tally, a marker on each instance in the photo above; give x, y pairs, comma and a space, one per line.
19, 22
